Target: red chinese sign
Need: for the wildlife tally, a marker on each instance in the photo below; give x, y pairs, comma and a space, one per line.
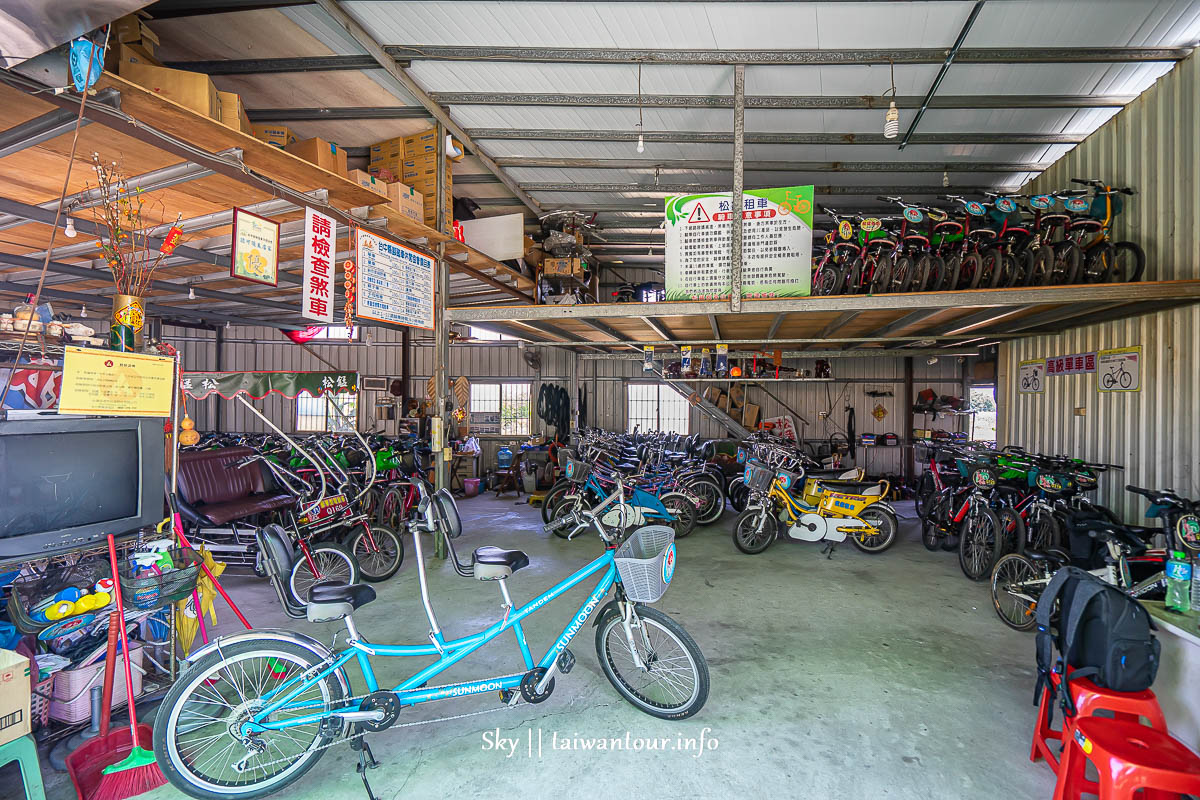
320, 252
1071, 365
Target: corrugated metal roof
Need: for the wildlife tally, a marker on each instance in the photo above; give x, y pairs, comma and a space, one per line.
306, 30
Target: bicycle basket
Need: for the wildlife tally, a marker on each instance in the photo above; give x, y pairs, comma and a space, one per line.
578, 471
646, 563
789, 480
148, 591
758, 477
1099, 206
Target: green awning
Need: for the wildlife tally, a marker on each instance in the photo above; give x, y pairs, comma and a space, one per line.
258, 385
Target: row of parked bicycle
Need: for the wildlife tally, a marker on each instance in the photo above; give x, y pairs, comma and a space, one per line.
1058, 238
1016, 517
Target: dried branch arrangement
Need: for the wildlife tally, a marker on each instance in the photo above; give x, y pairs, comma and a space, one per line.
125, 239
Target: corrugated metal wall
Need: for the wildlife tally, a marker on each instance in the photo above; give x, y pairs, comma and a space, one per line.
1153, 433
606, 379
1150, 145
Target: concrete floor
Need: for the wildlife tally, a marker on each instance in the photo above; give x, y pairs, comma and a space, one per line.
857, 677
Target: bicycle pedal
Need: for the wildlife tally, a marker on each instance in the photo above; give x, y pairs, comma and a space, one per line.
566, 661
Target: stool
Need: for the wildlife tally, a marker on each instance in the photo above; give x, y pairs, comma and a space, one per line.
24, 751
1128, 757
1088, 699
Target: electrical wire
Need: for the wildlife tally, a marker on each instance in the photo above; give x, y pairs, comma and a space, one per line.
58, 210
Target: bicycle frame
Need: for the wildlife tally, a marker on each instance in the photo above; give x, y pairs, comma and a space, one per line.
411, 691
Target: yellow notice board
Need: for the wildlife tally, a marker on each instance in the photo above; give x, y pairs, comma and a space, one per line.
114, 384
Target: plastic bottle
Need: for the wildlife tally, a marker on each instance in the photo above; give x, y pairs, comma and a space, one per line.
1196, 585
1179, 582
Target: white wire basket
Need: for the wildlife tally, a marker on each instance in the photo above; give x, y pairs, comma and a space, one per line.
646, 563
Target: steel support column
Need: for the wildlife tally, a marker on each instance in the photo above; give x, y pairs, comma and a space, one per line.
441, 334
739, 163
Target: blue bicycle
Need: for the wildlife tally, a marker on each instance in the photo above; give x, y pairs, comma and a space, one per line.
254, 711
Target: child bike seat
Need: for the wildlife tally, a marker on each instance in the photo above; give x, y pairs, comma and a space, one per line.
493, 563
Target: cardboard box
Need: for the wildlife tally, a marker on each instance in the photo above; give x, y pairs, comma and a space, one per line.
750, 416
388, 149
122, 53
408, 201
367, 181
737, 395
274, 134
562, 266
15, 690
233, 113
420, 144
191, 89
131, 29
723, 402
535, 257
326, 155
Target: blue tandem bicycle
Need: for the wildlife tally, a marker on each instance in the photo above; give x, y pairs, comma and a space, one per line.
254, 711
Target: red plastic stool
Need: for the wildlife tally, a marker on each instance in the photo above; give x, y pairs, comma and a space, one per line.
1129, 757
1090, 698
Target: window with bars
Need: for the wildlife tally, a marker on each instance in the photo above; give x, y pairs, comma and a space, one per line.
509, 400
333, 413
656, 407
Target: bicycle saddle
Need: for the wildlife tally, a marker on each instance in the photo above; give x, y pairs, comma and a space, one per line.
494, 563
330, 600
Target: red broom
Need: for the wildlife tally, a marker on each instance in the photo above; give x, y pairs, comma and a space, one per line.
137, 772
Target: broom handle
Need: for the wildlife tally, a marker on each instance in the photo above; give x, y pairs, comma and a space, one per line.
106, 695
112, 557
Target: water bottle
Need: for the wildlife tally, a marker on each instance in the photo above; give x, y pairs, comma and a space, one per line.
1179, 583
1196, 585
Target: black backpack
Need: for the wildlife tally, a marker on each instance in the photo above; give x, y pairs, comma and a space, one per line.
1102, 634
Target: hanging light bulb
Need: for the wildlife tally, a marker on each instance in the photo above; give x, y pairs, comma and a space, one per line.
641, 145
70, 231
891, 121
83, 311
945, 179
191, 293
227, 326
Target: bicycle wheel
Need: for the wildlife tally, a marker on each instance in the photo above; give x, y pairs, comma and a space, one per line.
672, 681
370, 502
924, 494
831, 280
854, 275
333, 563
380, 561
1044, 533
565, 508
553, 496
194, 741
1012, 533
885, 525
881, 278
755, 530
952, 273
683, 510
738, 494
1098, 264
1015, 588
902, 274
1068, 261
1129, 263
931, 538
977, 543
970, 271
1041, 267
712, 500
992, 263
920, 273
391, 509
937, 273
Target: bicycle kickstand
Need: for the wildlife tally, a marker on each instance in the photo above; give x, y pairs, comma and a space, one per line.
827, 551
366, 761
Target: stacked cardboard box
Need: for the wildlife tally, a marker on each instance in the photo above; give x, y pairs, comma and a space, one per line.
413, 160
734, 404
133, 59
367, 181
326, 155
233, 113
273, 134
563, 266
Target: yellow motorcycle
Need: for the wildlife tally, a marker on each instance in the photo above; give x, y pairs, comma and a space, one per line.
813, 510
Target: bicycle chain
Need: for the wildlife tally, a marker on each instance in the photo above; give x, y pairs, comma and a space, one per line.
355, 737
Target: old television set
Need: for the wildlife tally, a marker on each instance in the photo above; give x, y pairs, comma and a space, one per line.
66, 482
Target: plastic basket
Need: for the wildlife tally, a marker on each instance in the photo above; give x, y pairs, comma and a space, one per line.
29, 590
39, 702
148, 592
577, 471
71, 701
646, 563
758, 477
